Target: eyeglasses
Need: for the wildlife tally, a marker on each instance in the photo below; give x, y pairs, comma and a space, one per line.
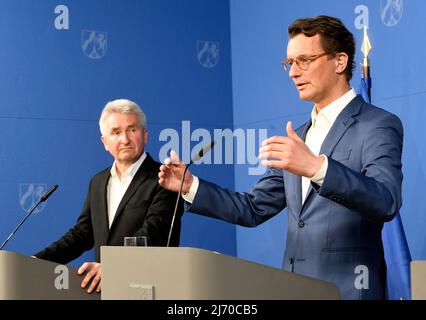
302, 62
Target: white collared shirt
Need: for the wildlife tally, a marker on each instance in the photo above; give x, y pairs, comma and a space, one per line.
117, 187
321, 125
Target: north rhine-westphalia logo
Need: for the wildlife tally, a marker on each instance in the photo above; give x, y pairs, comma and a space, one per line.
391, 11
30, 194
208, 53
94, 43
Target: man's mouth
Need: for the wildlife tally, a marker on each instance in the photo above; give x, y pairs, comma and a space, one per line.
301, 85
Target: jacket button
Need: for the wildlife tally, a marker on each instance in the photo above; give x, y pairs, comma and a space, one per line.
301, 223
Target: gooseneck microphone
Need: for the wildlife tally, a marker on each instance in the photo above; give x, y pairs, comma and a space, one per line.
43, 198
202, 152
197, 157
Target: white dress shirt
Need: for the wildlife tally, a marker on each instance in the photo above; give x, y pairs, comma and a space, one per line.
117, 187
321, 125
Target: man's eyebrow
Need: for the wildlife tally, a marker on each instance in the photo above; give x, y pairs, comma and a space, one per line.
114, 129
303, 55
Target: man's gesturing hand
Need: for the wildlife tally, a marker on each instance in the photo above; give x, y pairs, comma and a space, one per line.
171, 173
290, 154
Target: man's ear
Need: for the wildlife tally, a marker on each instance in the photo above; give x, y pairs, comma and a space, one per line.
104, 143
145, 135
341, 62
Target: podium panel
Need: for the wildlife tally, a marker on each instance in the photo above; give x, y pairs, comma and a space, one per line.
146, 273
27, 278
418, 280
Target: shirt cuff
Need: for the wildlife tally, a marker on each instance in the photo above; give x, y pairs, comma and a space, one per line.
190, 196
318, 177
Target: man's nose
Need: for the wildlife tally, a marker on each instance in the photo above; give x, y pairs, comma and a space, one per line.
294, 71
125, 137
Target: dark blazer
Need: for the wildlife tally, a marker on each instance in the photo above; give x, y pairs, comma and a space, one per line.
146, 209
335, 235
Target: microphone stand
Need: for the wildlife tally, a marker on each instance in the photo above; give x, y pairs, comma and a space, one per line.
200, 154
42, 199
177, 202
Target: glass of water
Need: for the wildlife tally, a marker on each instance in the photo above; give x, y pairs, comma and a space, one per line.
140, 241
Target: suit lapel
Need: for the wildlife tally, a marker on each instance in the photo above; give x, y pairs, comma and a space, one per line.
141, 176
104, 201
297, 180
342, 123
337, 130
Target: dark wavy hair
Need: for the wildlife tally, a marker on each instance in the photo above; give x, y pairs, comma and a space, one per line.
335, 37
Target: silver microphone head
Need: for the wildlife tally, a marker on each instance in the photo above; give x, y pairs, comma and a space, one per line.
203, 151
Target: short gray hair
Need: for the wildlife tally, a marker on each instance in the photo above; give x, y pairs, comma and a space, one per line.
121, 106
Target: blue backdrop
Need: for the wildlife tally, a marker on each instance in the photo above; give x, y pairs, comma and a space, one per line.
56, 80
215, 63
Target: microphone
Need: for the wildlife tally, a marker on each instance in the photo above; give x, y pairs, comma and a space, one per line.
43, 198
202, 152
197, 157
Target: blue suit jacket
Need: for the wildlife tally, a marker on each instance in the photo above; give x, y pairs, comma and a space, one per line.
336, 234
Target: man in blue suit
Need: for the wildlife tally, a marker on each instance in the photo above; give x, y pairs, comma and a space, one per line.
339, 174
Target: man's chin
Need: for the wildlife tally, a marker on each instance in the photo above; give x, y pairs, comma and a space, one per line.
126, 157
129, 156
303, 96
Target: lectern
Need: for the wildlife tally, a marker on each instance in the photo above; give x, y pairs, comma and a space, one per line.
418, 280
26, 278
146, 273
